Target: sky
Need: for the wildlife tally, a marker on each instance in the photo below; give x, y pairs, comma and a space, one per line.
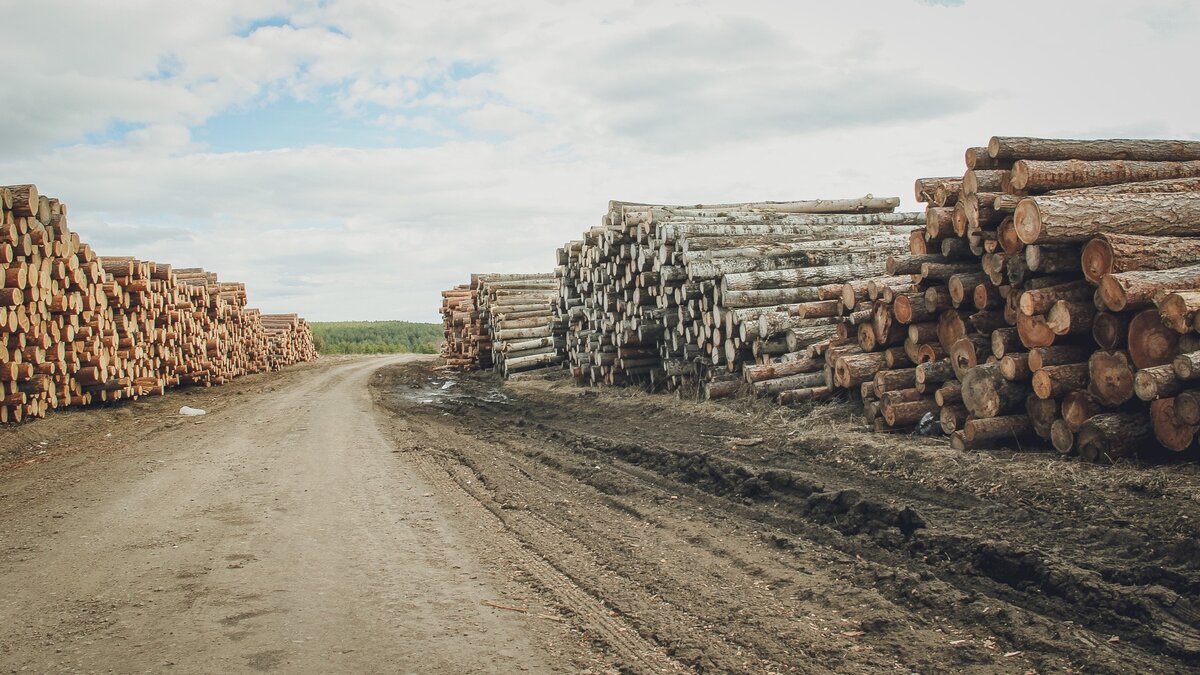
350, 159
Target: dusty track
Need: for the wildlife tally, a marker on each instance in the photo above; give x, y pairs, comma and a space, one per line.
299, 528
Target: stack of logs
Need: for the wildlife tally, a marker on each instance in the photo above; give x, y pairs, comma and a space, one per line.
504, 322
81, 329
679, 297
1053, 294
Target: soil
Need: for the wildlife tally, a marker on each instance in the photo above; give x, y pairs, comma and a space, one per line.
384, 515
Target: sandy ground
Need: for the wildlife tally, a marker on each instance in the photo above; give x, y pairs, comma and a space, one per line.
380, 515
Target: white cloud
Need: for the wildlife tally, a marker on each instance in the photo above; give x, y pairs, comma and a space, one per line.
518, 122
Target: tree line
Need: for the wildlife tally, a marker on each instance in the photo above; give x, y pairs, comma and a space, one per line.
376, 337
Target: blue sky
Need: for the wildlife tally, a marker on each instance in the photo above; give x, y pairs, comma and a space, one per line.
350, 159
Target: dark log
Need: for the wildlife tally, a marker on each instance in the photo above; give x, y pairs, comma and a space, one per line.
1110, 436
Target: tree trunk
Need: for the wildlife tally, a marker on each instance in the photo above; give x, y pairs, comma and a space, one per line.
1042, 412
772, 371
1110, 378
1012, 148
986, 180
1077, 218
1110, 436
1053, 259
968, 352
799, 277
1034, 332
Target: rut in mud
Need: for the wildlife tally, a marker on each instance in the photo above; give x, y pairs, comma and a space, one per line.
746, 538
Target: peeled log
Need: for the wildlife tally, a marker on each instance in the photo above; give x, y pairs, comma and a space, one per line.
1151, 384
1150, 342
987, 394
1110, 378
1041, 175
1110, 253
1021, 147
1076, 218
1111, 436
1057, 381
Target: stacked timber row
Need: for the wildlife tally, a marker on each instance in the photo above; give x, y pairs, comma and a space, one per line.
1067, 329
289, 339
672, 295
519, 312
466, 344
81, 329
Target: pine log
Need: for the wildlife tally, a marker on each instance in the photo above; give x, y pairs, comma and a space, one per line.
795, 396
1151, 384
1071, 318
1111, 253
1042, 175
1058, 381
952, 417
772, 371
987, 394
1077, 408
1076, 218
1187, 407
1169, 431
1005, 341
1042, 413
909, 413
1179, 309
1110, 377
1034, 332
998, 429
789, 382
852, 370
1015, 367
1109, 330
1013, 148
1111, 436
892, 380
1062, 438
949, 393
1039, 301
1132, 290
1150, 342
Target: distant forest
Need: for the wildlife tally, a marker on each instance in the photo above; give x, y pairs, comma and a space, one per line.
376, 337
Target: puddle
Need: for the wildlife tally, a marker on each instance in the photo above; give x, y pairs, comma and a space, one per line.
436, 391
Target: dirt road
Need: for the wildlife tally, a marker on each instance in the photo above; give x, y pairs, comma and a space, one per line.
278, 532
377, 515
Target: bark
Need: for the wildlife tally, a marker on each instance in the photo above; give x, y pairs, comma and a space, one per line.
893, 380
1042, 175
937, 298
801, 337
978, 159
819, 309
986, 322
1150, 342
942, 271
769, 297
1110, 436
1058, 381
1077, 218
897, 357
1019, 147
924, 332
935, 372
986, 180
1110, 378
956, 249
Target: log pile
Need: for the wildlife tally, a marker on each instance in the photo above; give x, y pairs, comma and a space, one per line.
81, 329
672, 296
504, 322
1080, 299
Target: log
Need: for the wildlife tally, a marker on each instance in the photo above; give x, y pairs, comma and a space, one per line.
1156, 382
1077, 408
772, 371
949, 393
852, 370
1012, 148
909, 413
1187, 407
1041, 175
1062, 438
1058, 381
1005, 341
1150, 342
1169, 431
789, 382
1111, 436
1034, 332
892, 380
1111, 253
986, 393
1110, 377
952, 417
1077, 218
1132, 290
1071, 318
1179, 309
802, 395
1110, 331
998, 429
1039, 301
1042, 413
1015, 367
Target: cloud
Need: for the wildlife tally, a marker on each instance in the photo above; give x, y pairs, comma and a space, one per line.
351, 159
